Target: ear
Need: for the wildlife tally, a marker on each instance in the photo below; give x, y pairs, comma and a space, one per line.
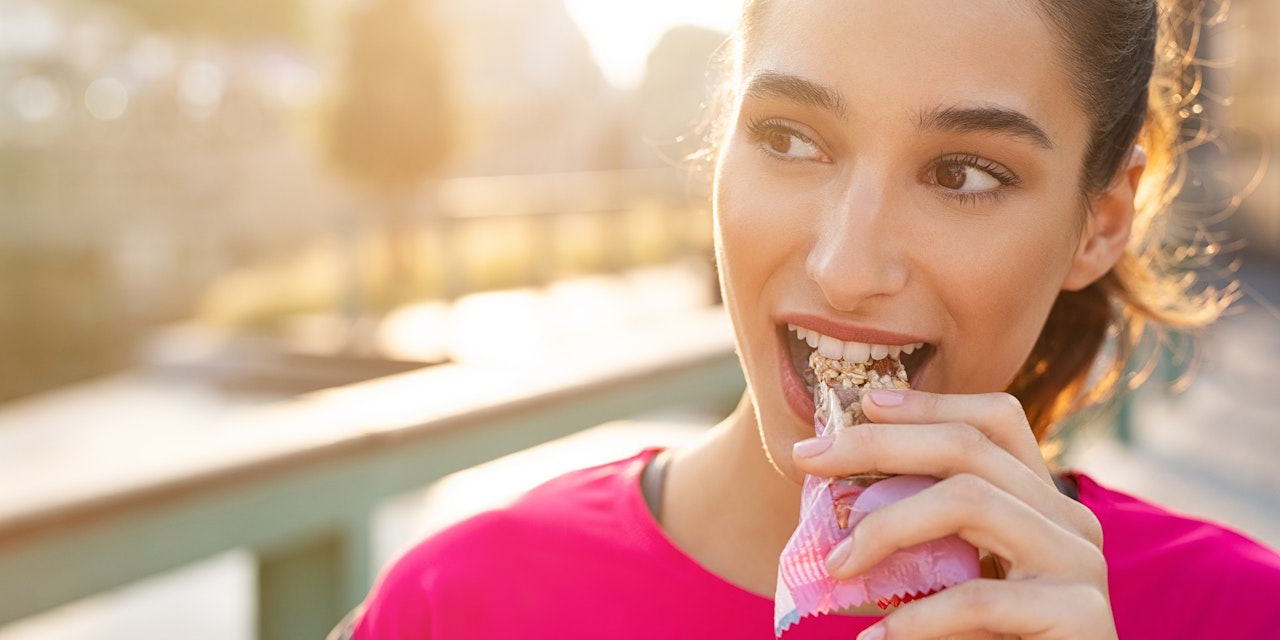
1106, 229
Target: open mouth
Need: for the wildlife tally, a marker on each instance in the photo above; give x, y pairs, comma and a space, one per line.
801, 343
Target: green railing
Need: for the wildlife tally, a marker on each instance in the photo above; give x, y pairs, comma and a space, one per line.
298, 482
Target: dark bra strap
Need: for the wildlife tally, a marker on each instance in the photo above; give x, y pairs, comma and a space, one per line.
1067, 486
652, 480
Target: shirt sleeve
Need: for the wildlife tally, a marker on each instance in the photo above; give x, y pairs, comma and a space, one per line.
345, 629
399, 606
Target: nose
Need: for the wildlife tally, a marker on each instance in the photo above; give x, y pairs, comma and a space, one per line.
858, 250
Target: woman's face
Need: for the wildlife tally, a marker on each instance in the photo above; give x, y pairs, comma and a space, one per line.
895, 173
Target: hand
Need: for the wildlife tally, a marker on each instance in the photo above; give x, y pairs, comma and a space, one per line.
996, 493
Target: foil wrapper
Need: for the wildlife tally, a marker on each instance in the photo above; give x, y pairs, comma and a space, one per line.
831, 507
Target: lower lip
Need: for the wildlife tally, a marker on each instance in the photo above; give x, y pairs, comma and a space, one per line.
793, 387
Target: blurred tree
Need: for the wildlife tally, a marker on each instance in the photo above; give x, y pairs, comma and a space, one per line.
677, 83
224, 18
390, 129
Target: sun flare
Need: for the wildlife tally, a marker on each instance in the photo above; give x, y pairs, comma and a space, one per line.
621, 35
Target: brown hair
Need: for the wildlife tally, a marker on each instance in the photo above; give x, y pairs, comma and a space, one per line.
1134, 77
1131, 63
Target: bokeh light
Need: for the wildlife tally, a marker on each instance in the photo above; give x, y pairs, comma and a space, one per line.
106, 98
36, 98
200, 88
30, 29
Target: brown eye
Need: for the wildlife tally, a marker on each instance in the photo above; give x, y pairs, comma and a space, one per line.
950, 175
969, 177
783, 141
779, 141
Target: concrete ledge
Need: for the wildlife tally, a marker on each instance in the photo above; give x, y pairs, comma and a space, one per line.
276, 477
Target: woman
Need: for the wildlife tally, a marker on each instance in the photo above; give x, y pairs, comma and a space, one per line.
962, 180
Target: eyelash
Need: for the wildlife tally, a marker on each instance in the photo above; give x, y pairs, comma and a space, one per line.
1002, 175
759, 130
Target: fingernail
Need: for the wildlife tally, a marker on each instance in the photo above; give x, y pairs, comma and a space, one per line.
839, 554
813, 446
874, 632
887, 397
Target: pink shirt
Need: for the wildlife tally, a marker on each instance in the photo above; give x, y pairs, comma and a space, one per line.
581, 557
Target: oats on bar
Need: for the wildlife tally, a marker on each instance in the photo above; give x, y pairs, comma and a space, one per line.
837, 393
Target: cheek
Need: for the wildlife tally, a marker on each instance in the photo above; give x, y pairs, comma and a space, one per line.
757, 224
1000, 284
1020, 268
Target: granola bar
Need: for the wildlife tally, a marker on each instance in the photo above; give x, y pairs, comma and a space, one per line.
837, 393
831, 507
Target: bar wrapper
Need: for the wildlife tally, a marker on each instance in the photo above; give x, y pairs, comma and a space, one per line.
831, 507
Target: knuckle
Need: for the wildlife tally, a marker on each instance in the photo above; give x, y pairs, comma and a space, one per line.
1095, 566
1080, 520
933, 404
976, 596
972, 442
868, 529
1089, 597
1009, 407
865, 433
867, 437
883, 448
1088, 525
1081, 562
968, 491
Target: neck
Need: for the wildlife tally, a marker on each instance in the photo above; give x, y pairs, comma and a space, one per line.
728, 507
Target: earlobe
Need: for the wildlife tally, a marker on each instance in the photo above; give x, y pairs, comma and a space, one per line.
1106, 230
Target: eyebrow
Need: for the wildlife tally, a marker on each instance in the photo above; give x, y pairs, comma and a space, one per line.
996, 120
984, 119
771, 84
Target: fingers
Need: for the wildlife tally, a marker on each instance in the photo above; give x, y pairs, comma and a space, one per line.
999, 416
995, 492
938, 450
983, 515
943, 449
944, 435
949, 450
986, 608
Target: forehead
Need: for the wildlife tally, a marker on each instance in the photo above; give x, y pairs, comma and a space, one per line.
897, 58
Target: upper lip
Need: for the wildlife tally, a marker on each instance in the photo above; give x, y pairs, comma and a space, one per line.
848, 332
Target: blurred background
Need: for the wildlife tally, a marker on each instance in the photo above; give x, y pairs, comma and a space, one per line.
211, 210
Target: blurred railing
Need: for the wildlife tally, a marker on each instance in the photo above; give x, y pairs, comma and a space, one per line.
567, 223
460, 236
298, 482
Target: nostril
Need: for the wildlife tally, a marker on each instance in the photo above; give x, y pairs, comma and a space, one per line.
848, 276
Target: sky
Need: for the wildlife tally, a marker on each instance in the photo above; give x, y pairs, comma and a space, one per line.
621, 34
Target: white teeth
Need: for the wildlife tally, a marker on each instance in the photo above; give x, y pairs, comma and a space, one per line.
856, 352
808, 336
830, 347
852, 351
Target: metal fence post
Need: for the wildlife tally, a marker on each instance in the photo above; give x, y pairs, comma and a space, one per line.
306, 588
